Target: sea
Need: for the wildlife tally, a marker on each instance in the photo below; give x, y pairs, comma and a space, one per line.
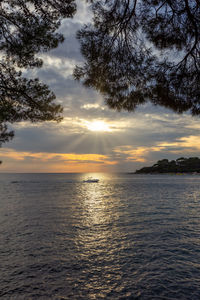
125, 237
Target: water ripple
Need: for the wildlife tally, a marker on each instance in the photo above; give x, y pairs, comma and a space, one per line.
127, 237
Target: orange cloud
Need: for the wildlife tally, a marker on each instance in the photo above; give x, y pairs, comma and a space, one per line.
140, 154
190, 143
137, 154
53, 162
44, 156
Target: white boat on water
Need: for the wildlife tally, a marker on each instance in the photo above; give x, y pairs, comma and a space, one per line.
91, 180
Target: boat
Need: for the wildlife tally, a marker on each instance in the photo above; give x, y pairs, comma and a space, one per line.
91, 180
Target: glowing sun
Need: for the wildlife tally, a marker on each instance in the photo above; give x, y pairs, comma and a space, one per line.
98, 126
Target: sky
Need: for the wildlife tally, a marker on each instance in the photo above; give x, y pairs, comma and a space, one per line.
92, 137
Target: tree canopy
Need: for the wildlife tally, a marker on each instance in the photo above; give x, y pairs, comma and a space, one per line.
26, 28
139, 51
180, 165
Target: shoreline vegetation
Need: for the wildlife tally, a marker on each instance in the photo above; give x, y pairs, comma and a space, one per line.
180, 166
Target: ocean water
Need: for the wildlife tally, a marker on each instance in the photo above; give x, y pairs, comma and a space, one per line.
125, 237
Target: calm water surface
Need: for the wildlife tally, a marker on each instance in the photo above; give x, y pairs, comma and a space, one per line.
126, 237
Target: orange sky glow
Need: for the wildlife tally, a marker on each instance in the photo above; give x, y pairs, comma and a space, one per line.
26, 161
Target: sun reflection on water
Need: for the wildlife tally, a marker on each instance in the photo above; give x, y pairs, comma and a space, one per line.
97, 203
98, 234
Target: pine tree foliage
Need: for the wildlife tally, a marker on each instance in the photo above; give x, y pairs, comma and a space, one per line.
28, 27
143, 50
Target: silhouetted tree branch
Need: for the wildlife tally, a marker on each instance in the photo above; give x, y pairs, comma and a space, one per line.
143, 50
26, 28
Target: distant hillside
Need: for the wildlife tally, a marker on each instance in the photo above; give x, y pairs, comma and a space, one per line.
181, 165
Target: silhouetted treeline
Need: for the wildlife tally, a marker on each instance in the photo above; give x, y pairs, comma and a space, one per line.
181, 165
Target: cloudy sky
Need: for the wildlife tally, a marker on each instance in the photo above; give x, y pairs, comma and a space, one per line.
91, 137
